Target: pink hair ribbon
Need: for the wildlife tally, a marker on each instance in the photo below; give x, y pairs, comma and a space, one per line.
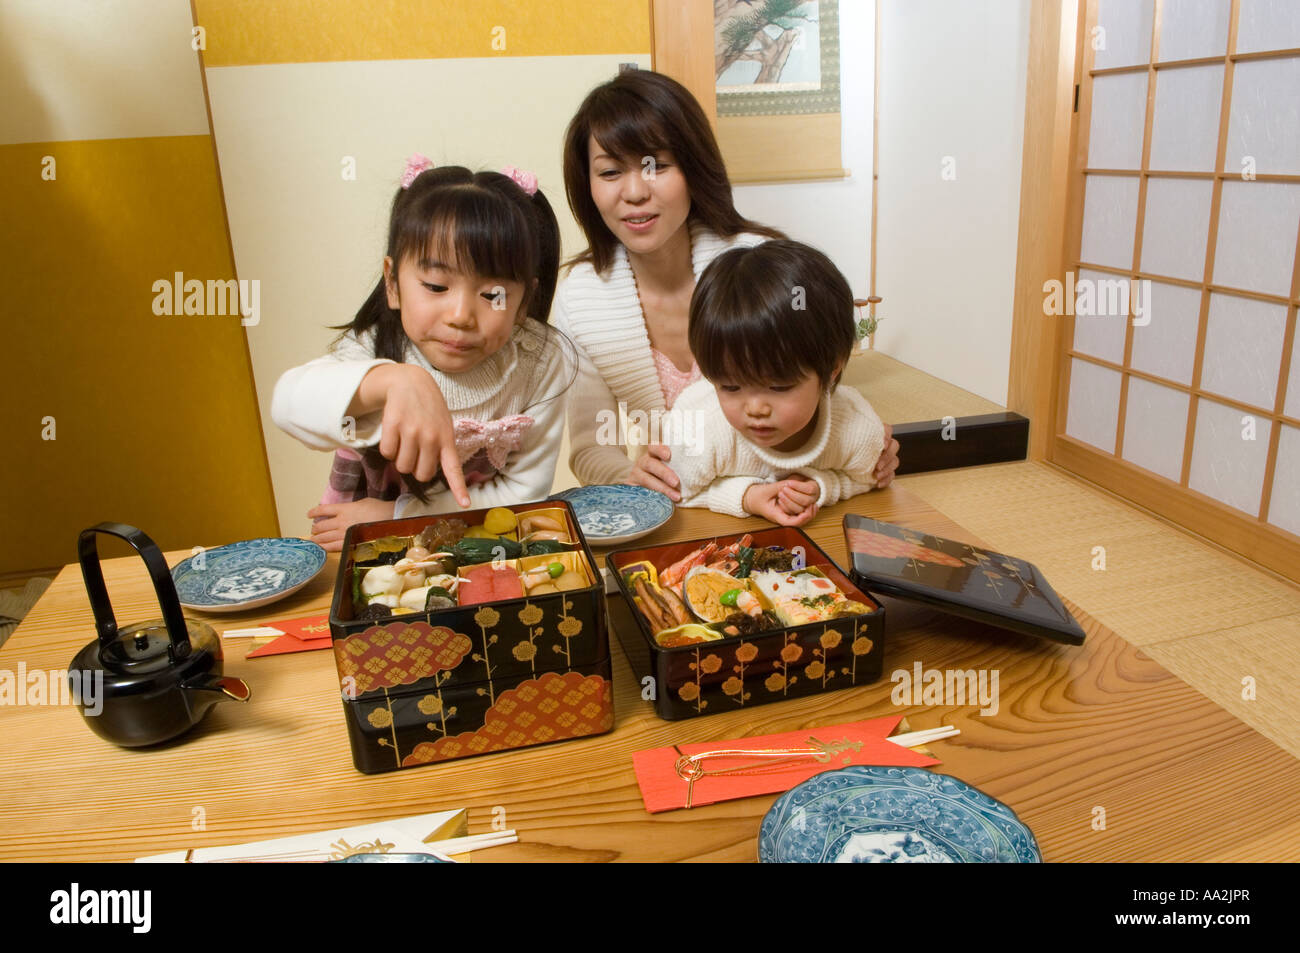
414, 166
525, 180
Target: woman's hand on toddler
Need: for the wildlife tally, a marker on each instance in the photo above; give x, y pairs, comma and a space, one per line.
651, 470
419, 436
765, 500
330, 521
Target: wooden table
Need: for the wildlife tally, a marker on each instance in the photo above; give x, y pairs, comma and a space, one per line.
1099, 726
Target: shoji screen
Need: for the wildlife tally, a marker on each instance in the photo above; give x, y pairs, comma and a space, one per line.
1184, 394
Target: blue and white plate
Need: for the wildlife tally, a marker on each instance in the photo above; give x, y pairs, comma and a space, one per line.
394, 859
872, 814
617, 514
246, 575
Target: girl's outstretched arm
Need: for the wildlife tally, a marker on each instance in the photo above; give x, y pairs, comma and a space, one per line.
350, 398
530, 471
418, 434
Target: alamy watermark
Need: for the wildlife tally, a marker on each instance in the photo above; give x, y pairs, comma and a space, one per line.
1099, 298
642, 428
57, 687
215, 297
955, 687
130, 907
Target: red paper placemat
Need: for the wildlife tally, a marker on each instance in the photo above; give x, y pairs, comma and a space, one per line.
304, 634
750, 774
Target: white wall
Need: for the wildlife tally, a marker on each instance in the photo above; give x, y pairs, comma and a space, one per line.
834, 216
952, 84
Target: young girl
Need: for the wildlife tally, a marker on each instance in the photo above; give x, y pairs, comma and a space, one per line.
771, 435
459, 315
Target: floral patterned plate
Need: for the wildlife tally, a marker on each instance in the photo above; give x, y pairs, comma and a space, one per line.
617, 514
873, 814
394, 859
246, 575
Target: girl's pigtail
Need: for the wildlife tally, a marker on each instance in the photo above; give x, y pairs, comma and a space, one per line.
548, 258
390, 339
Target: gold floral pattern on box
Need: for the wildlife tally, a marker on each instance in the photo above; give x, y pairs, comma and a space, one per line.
486, 619
548, 708
400, 653
780, 681
734, 687
818, 669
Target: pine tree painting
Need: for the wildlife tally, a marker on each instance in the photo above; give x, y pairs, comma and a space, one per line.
764, 31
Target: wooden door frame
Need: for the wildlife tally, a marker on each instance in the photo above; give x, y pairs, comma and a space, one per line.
1051, 79
681, 46
1051, 214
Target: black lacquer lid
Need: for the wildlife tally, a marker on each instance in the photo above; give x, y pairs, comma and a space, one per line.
956, 578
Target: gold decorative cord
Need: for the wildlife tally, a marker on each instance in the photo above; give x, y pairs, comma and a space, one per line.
690, 770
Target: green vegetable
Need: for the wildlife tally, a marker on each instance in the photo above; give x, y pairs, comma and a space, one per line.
556, 570
470, 552
745, 557
357, 599
438, 598
728, 598
544, 547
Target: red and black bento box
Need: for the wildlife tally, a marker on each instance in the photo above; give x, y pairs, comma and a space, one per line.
516, 664
773, 658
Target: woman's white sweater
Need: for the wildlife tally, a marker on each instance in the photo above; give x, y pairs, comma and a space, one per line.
602, 315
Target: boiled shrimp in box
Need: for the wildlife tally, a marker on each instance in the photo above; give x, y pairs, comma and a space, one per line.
469, 633
741, 621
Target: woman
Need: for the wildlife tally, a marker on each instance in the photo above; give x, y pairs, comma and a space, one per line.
647, 184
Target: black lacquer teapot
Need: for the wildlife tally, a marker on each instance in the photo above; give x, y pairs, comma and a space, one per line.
159, 677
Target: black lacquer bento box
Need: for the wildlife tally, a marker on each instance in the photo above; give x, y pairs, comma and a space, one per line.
441, 680
701, 673
957, 578
785, 660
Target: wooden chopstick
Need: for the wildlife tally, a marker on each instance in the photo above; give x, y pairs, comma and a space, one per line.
463, 845
914, 739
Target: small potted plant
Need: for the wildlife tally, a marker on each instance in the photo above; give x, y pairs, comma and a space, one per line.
868, 323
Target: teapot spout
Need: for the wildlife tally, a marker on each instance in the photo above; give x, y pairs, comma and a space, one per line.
226, 685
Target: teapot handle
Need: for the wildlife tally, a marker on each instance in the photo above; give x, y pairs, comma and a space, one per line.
164, 587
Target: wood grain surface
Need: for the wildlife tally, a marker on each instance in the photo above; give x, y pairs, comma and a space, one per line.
1099, 726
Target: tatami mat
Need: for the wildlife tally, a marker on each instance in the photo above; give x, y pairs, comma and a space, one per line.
16, 603
1207, 616
900, 393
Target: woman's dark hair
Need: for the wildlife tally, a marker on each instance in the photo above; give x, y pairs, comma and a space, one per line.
640, 113
771, 314
484, 222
